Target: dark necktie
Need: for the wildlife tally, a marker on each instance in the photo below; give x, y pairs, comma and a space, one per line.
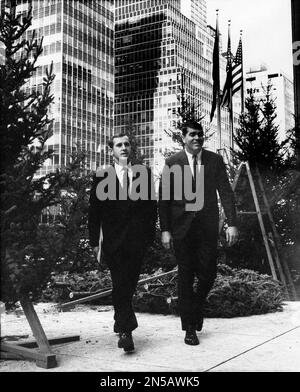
194, 173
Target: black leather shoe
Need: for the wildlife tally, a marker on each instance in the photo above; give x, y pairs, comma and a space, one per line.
191, 337
199, 325
126, 341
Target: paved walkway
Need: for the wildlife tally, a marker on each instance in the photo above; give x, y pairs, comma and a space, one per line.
268, 342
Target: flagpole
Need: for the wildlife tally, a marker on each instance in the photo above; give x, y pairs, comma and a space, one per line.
231, 119
230, 95
242, 89
218, 91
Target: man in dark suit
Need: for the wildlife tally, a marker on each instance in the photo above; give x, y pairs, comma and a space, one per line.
128, 227
193, 232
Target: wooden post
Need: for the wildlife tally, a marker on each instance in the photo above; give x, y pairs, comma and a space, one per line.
277, 240
233, 186
261, 223
274, 241
107, 292
42, 355
44, 360
35, 325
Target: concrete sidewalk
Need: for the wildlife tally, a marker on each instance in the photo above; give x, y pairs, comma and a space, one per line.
268, 342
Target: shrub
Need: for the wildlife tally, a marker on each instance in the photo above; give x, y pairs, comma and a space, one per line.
60, 285
243, 292
236, 293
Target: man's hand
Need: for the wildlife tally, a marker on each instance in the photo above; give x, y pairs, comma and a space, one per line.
166, 239
96, 250
232, 235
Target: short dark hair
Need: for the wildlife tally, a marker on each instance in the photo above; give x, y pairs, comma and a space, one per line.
111, 140
191, 124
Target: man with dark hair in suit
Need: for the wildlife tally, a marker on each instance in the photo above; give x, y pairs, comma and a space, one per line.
128, 227
194, 233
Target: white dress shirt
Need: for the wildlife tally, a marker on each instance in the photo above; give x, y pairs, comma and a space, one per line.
121, 172
191, 163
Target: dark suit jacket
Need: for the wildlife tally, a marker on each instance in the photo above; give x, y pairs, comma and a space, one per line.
121, 220
172, 213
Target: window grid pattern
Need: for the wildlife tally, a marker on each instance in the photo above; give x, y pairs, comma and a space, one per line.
78, 36
154, 43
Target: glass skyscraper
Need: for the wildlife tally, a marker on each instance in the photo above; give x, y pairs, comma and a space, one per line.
161, 46
296, 61
79, 39
195, 10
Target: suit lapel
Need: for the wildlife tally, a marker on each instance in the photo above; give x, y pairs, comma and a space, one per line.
205, 162
204, 157
183, 159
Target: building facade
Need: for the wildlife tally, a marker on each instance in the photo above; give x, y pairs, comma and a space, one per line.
78, 37
196, 11
257, 79
160, 47
296, 60
295, 8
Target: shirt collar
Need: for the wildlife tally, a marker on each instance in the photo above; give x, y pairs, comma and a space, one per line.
119, 167
190, 156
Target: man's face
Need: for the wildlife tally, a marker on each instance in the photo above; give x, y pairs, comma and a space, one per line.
121, 149
193, 140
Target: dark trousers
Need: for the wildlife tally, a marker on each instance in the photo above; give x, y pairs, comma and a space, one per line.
125, 266
196, 256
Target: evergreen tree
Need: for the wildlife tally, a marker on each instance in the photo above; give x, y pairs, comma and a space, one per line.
257, 136
189, 109
272, 157
257, 142
289, 146
248, 134
28, 252
136, 156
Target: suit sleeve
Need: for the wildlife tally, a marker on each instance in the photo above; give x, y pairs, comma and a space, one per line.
94, 215
164, 206
226, 193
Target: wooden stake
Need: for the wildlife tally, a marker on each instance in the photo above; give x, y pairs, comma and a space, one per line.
42, 355
35, 325
261, 222
277, 241
108, 292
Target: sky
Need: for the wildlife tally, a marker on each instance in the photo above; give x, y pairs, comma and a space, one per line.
267, 32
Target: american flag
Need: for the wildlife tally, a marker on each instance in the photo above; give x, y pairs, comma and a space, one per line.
227, 90
237, 69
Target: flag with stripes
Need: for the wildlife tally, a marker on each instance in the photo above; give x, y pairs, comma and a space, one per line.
237, 69
227, 90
